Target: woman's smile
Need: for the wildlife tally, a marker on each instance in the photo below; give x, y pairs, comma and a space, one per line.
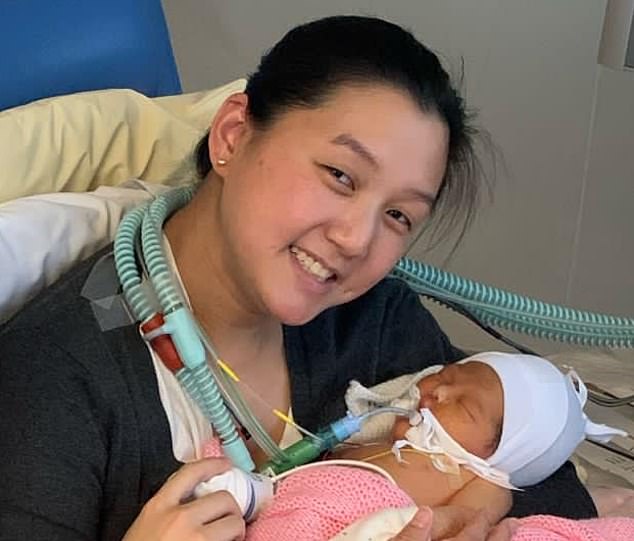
312, 275
312, 265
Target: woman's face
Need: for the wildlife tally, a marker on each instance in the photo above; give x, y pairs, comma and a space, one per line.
319, 207
468, 401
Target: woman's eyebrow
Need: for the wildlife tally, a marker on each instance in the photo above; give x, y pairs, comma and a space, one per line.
422, 195
345, 139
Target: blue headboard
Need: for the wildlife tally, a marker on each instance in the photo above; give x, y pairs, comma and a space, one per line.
53, 47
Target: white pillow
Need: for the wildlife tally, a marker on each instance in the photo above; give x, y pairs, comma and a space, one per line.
81, 141
42, 236
86, 141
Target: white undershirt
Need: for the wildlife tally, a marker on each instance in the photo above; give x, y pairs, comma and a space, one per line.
189, 428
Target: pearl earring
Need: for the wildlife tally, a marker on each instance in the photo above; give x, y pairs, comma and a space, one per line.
221, 162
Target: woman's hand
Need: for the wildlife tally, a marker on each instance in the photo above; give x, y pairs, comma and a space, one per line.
418, 529
171, 516
477, 528
480, 529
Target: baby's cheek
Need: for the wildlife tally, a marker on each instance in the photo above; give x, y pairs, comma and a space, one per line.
400, 427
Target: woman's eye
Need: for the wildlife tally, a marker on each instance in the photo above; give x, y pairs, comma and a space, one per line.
341, 177
400, 218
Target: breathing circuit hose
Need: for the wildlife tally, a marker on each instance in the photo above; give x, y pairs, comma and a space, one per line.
311, 447
491, 305
195, 375
517, 313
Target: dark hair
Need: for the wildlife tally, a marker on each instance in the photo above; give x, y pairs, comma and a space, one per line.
314, 60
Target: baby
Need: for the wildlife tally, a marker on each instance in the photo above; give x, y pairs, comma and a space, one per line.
487, 424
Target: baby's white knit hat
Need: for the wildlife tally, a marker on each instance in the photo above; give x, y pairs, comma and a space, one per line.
543, 416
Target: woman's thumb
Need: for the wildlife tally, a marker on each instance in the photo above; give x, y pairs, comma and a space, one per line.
417, 529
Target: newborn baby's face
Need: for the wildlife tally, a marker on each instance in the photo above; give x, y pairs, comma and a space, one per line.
468, 401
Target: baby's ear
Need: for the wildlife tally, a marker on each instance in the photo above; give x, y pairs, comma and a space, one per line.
489, 449
495, 442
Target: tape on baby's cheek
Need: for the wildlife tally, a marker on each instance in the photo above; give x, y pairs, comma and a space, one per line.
453, 472
418, 438
415, 418
447, 454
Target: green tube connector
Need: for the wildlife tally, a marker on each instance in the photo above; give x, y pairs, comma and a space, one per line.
309, 448
304, 451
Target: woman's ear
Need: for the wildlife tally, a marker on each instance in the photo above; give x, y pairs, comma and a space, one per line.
228, 128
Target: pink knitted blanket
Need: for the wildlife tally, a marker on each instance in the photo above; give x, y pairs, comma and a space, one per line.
316, 504
549, 528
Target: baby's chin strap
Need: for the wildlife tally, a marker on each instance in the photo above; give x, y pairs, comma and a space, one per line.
593, 431
446, 454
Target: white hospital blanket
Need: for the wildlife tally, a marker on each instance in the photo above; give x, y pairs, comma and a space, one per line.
380, 526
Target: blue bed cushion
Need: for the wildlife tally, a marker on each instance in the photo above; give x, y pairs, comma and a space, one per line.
54, 47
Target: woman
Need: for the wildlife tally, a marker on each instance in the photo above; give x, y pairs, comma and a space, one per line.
347, 140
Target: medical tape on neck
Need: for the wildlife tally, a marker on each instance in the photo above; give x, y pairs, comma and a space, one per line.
446, 454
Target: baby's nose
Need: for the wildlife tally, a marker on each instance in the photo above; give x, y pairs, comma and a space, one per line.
428, 400
437, 396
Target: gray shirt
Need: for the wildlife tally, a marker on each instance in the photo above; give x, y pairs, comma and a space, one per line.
85, 441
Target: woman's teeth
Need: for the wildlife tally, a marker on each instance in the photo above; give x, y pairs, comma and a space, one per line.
309, 264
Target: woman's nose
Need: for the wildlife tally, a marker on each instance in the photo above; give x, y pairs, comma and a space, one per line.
353, 231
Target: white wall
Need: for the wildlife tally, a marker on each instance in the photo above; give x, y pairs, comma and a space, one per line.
560, 227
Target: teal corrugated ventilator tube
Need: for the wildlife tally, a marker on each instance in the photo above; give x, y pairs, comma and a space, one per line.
507, 310
196, 376
490, 305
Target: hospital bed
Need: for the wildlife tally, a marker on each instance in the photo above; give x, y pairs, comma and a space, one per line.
129, 120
